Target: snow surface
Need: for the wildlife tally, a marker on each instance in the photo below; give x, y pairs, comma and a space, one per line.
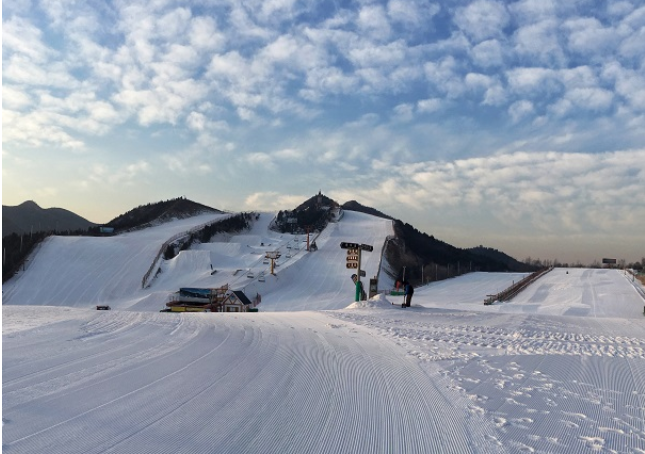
559, 369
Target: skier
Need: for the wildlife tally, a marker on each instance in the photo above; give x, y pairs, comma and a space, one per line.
408, 291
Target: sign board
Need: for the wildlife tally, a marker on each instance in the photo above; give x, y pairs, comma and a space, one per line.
609, 261
365, 247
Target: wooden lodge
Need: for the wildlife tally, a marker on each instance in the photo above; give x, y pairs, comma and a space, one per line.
221, 299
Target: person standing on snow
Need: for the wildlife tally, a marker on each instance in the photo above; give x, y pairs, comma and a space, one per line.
408, 291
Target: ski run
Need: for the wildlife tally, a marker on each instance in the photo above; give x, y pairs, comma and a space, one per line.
558, 369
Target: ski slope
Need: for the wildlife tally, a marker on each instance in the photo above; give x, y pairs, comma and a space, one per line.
87, 271
559, 369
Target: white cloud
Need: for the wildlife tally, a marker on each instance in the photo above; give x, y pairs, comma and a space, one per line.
531, 11
556, 193
540, 41
21, 37
520, 109
22, 70
330, 80
632, 46
39, 129
578, 77
196, 121
430, 105
412, 13
173, 24
591, 98
530, 80
369, 55
15, 99
445, 75
272, 201
404, 112
164, 101
204, 35
588, 36
260, 160
488, 53
107, 175
628, 83
290, 154
373, 21
482, 19
244, 28
636, 19
620, 8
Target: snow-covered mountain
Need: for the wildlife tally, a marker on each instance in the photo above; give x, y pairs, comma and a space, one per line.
88, 271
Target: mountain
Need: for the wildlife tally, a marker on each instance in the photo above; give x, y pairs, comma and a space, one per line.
29, 217
494, 254
312, 214
159, 212
39, 223
412, 254
353, 205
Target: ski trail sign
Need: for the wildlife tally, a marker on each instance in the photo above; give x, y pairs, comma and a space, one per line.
353, 262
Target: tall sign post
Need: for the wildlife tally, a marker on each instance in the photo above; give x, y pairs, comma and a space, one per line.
353, 262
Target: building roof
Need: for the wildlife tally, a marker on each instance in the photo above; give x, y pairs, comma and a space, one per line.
242, 297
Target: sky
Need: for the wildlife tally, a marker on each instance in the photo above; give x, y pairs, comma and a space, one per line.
516, 125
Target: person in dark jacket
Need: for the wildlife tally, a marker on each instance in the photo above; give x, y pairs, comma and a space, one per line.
408, 291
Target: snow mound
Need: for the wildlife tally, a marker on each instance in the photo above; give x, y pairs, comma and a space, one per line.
378, 301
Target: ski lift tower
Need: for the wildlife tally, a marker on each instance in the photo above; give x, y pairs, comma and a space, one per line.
273, 256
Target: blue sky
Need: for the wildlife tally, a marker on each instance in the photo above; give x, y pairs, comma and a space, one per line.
517, 125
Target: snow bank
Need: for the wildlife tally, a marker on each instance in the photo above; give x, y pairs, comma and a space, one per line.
378, 301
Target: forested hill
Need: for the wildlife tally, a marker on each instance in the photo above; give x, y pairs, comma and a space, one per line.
28, 217
159, 212
426, 258
353, 205
494, 254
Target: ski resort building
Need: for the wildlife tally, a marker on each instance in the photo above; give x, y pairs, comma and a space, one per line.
221, 299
